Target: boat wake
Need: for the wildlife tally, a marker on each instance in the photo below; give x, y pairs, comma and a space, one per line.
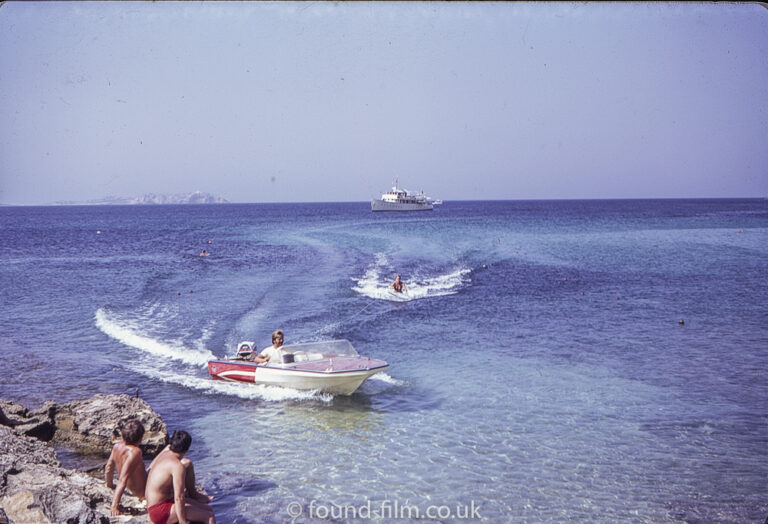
178, 362
134, 330
375, 282
208, 386
380, 383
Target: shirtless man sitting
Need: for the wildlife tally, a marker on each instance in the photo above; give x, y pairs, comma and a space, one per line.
126, 457
169, 499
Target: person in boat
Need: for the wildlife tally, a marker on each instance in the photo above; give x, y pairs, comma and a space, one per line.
168, 493
127, 460
398, 286
273, 353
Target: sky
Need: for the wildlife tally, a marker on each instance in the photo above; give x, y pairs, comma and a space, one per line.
331, 101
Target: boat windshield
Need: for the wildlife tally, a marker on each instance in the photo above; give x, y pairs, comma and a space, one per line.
326, 347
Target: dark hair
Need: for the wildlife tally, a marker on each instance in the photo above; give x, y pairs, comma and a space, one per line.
132, 431
180, 441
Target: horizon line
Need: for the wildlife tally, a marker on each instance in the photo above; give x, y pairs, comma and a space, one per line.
555, 199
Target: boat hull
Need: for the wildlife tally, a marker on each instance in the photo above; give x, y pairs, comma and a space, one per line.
383, 205
337, 376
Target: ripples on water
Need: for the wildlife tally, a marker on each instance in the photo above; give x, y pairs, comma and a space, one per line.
538, 366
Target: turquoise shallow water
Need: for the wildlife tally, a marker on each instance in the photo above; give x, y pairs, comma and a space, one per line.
539, 372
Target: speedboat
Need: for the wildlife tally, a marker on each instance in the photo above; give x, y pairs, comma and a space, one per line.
332, 366
399, 199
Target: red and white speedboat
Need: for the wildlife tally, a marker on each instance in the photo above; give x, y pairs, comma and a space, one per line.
330, 367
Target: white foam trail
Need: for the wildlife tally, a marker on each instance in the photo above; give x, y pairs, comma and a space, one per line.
379, 383
125, 332
373, 285
207, 333
210, 386
128, 333
380, 291
384, 377
448, 284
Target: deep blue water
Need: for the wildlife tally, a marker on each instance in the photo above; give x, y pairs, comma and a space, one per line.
539, 373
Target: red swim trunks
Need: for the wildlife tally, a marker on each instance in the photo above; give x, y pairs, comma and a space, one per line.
159, 513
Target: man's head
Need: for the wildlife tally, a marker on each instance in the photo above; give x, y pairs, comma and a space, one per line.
180, 441
132, 431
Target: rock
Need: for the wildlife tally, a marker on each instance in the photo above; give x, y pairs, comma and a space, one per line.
18, 450
35, 488
90, 426
38, 424
52, 493
40, 429
22, 508
12, 409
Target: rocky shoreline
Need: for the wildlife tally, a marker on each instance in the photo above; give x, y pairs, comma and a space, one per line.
35, 487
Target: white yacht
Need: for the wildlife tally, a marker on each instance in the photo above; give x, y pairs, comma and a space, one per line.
399, 199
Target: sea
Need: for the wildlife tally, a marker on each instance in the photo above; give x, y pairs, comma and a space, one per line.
553, 361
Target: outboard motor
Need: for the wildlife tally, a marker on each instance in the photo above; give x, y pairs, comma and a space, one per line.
244, 350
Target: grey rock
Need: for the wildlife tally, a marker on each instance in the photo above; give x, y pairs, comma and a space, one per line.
34, 487
38, 424
13, 410
16, 451
90, 426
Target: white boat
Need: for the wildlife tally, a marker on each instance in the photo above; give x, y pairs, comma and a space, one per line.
399, 199
330, 367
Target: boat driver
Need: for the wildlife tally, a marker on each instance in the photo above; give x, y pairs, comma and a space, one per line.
273, 353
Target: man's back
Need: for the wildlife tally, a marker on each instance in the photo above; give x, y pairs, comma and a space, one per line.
160, 479
128, 457
167, 482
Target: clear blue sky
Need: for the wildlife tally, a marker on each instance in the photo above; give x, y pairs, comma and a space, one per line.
329, 101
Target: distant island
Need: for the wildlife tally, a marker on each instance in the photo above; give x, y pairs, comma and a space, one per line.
198, 197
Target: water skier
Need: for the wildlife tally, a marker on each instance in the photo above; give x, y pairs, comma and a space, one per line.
398, 286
